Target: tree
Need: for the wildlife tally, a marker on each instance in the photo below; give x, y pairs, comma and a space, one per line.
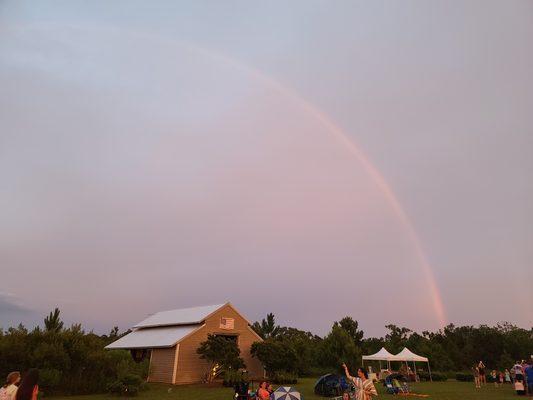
222, 353
53, 323
113, 334
352, 327
397, 337
338, 347
276, 355
267, 328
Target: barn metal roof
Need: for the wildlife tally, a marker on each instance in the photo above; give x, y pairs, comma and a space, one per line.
166, 336
182, 316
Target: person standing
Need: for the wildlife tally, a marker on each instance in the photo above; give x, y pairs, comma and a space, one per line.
365, 387
482, 377
529, 379
29, 386
475, 371
518, 371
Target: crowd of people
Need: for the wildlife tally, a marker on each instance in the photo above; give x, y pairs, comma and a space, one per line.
364, 387
521, 375
21, 387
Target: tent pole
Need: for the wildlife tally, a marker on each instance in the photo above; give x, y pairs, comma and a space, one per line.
429, 369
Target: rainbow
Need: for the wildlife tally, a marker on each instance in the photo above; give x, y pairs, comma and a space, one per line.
330, 127
350, 145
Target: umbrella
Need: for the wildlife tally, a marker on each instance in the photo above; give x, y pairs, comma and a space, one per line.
285, 393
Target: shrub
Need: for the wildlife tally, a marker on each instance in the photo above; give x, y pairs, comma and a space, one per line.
232, 377
129, 385
276, 355
49, 379
464, 376
283, 377
436, 376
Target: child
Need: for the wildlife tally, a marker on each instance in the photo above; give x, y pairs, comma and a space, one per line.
9, 390
270, 388
507, 376
500, 378
494, 377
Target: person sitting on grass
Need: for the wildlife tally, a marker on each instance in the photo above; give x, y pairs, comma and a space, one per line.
262, 392
270, 388
365, 387
494, 377
507, 376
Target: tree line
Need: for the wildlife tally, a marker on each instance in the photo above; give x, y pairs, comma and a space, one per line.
73, 361
70, 360
287, 350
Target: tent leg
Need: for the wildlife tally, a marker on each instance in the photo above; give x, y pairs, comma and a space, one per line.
429, 369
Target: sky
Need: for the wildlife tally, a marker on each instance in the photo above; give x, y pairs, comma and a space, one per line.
313, 159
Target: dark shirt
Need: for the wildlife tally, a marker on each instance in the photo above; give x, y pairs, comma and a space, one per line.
529, 374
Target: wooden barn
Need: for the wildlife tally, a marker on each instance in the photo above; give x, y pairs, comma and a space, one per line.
171, 339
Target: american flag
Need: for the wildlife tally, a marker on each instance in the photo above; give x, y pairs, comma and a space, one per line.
227, 323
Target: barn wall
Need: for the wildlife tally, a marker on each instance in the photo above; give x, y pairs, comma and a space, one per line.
191, 368
162, 365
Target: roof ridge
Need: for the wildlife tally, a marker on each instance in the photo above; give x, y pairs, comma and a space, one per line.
179, 316
190, 308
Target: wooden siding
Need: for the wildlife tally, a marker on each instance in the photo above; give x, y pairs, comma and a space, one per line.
192, 369
162, 365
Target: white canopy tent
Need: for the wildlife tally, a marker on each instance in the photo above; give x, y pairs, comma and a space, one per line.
407, 355
381, 355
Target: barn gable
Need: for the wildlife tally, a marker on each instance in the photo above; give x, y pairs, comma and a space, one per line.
191, 368
174, 336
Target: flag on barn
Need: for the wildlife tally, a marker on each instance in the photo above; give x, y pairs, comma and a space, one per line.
227, 323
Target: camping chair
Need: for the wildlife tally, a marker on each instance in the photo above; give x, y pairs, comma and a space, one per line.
390, 388
400, 387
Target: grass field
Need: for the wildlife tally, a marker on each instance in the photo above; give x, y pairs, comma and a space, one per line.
450, 390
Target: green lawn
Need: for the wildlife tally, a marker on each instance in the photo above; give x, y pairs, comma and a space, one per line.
450, 390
